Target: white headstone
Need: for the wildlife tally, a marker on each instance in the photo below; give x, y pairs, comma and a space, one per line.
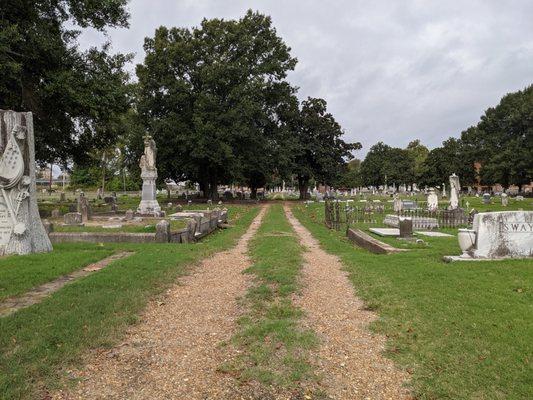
398, 204
432, 200
503, 234
455, 188
505, 200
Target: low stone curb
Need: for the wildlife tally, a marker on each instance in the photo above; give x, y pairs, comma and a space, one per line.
369, 243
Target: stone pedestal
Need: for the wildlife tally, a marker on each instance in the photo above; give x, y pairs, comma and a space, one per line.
149, 204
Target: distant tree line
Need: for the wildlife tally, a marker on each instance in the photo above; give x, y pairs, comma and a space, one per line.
499, 149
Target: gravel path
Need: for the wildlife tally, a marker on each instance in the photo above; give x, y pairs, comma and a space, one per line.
349, 358
174, 352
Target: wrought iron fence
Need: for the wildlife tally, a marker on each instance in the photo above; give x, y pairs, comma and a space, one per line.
340, 214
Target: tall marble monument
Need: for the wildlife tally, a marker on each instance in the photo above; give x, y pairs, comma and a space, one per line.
149, 204
21, 229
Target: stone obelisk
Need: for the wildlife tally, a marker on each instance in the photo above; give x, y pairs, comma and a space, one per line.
149, 204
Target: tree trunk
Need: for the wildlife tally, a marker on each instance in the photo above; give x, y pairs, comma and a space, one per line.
103, 173
51, 178
203, 187
303, 185
253, 194
213, 184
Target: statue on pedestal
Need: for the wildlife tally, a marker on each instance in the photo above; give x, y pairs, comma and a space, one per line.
149, 204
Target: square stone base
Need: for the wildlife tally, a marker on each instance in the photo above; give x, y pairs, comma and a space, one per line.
149, 207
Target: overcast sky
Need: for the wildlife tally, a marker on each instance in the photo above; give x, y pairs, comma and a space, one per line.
390, 70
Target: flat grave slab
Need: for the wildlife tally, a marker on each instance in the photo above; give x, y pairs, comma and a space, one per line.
385, 231
433, 234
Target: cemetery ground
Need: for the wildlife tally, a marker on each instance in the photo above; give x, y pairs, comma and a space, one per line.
462, 330
453, 330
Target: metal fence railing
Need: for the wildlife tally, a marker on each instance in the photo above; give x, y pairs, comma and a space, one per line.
340, 214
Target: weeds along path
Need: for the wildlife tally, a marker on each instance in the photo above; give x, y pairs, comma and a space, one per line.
174, 352
349, 357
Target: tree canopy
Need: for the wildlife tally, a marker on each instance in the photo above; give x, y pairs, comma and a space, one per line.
386, 164
75, 96
216, 100
502, 142
318, 150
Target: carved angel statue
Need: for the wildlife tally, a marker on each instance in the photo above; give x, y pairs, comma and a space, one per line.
147, 161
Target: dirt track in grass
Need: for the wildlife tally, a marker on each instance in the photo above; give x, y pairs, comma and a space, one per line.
37, 294
174, 352
349, 358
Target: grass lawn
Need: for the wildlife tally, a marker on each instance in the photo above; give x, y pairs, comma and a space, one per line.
18, 274
39, 343
463, 330
274, 345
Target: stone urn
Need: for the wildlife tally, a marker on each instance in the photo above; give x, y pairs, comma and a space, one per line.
467, 240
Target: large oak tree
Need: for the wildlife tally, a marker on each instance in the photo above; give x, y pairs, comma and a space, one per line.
211, 98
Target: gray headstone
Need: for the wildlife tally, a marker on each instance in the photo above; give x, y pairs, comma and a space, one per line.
84, 208
129, 215
74, 218
409, 205
406, 227
162, 232
56, 213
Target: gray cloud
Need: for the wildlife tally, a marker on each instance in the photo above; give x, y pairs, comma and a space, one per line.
390, 70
